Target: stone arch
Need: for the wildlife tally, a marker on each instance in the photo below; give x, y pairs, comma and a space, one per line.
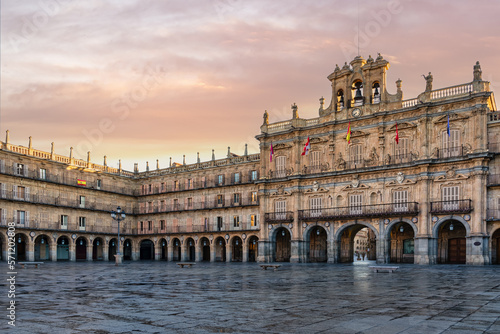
176, 249
345, 244
220, 249
98, 249
236, 244
190, 249
63, 243
494, 246
81, 243
400, 241
281, 237
435, 228
253, 247
146, 249
163, 244
341, 229
316, 238
204, 245
396, 221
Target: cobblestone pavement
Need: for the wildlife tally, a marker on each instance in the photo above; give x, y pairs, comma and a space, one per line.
160, 297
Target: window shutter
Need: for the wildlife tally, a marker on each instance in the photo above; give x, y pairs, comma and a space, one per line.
27, 194
27, 219
4, 190
14, 168
14, 191
2, 166
4, 216
25, 169
16, 220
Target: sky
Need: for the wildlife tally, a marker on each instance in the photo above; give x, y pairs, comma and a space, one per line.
141, 80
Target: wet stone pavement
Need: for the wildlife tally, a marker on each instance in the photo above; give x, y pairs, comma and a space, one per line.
160, 297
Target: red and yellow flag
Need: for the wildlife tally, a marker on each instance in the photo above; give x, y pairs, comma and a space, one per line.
81, 182
348, 138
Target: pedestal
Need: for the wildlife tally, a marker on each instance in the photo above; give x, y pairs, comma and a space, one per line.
118, 259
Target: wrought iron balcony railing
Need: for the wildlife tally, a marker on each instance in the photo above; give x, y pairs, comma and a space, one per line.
455, 206
279, 217
360, 211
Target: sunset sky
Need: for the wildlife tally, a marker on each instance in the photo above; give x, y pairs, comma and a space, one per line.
142, 80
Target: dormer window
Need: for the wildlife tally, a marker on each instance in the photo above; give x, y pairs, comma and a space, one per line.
358, 95
375, 93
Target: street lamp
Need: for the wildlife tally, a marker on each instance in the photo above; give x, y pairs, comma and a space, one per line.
118, 215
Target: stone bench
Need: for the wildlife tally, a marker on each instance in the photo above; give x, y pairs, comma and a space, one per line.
30, 264
274, 266
384, 269
185, 264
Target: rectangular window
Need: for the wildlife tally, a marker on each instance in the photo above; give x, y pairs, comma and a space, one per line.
82, 201
253, 197
356, 156
21, 191
150, 225
314, 162
281, 166
355, 204
220, 180
254, 175
81, 223
253, 220
64, 222
236, 221
402, 151
176, 185
219, 224
203, 182
176, 204
400, 200
315, 204
142, 226
43, 174
190, 183
280, 209
205, 224
163, 187
450, 198
19, 169
21, 217
220, 200
98, 184
236, 199
3, 216
190, 203
236, 177
451, 144
162, 225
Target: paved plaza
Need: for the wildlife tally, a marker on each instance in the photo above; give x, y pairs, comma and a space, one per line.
160, 297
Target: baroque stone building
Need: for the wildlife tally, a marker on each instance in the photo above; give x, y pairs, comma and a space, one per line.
421, 175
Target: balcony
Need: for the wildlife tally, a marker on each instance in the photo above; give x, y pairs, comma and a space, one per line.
281, 173
450, 152
202, 205
360, 211
456, 206
279, 217
315, 169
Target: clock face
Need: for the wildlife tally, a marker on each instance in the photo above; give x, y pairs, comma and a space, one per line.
356, 112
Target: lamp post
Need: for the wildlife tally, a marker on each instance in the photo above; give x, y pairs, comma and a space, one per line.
118, 215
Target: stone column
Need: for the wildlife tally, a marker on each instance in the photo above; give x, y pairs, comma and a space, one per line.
229, 252
30, 251
72, 250
198, 251
381, 242
244, 250
170, 251
183, 253
105, 251
53, 251
213, 252
136, 253
157, 248
89, 251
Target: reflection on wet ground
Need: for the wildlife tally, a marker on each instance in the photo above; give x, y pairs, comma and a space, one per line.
160, 297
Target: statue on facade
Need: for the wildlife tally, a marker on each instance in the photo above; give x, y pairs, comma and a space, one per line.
477, 72
388, 159
340, 162
428, 81
266, 118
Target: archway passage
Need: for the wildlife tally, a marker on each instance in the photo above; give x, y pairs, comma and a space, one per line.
127, 250
42, 248
402, 243
253, 243
318, 245
190, 250
113, 246
220, 250
205, 249
237, 250
63, 249
176, 256
97, 250
283, 245
452, 243
495, 247
357, 243
147, 250
20, 240
164, 249
81, 249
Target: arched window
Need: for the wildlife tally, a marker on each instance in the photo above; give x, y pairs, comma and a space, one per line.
375, 93
340, 99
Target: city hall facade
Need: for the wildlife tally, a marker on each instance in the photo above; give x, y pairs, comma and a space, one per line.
420, 177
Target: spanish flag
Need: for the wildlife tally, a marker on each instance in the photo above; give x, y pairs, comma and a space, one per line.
81, 182
348, 138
